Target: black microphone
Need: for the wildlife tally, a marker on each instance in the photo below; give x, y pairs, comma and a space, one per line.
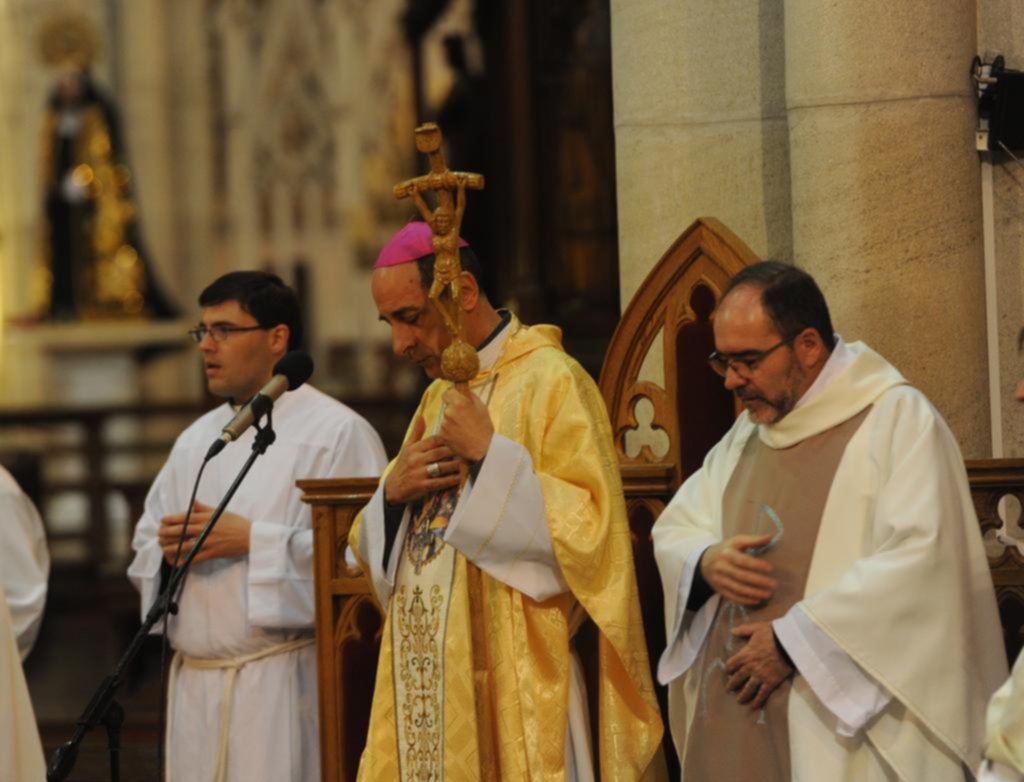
290, 372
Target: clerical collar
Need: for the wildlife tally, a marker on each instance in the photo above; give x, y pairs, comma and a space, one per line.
838, 360
489, 349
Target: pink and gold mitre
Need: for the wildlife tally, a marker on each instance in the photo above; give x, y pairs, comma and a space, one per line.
414, 241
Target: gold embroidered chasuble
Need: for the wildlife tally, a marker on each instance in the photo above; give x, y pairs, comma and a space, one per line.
500, 660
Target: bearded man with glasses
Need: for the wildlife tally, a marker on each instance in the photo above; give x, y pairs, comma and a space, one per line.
242, 699
829, 608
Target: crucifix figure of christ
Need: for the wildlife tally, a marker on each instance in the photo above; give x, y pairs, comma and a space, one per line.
459, 361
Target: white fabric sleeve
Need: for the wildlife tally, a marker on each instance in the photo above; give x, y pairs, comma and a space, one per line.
20, 749
840, 684
371, 545
579, 750
1004, 721
280, 582
690, 523
997, 772
686, 638
144, 570
499, 523
24, 566
280, 587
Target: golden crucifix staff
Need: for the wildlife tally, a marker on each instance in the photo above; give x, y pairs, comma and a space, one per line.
459, 361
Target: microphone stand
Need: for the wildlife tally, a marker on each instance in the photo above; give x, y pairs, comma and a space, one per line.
103, 708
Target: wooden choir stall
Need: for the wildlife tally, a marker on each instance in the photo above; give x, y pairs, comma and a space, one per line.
667, 409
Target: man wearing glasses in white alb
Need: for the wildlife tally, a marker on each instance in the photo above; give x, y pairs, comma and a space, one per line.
242, 697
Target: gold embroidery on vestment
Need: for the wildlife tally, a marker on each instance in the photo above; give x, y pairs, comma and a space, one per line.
420, 672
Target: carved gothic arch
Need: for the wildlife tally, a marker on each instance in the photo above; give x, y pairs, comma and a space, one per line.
658, 354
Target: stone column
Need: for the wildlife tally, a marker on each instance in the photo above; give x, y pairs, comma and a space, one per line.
143, 89
240, 237
192, 130
700, 125
886, 189
9, 279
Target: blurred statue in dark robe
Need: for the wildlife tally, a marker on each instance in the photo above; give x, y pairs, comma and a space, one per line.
95, 264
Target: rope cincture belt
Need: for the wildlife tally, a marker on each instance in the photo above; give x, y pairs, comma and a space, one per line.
232, 665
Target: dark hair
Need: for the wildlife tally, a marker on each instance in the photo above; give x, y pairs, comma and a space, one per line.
470, 263
263, 295
791, 298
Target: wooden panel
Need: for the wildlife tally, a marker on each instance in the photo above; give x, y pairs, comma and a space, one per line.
992, 480
348, 623
704, 257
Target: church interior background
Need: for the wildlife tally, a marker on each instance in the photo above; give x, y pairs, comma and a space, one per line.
268, 134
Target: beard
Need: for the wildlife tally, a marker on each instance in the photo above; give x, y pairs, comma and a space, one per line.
767, 408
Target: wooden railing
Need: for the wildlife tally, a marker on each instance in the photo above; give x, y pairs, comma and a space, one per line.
349, 621
110, 454
73, 452
997, 488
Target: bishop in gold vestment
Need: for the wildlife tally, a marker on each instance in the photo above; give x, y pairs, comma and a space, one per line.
486, 578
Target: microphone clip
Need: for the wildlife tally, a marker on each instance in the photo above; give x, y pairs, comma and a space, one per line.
260, 405
265, 434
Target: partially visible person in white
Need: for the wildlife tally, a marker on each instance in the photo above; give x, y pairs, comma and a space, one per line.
24, 567
21, 752
24, 561
1004, 722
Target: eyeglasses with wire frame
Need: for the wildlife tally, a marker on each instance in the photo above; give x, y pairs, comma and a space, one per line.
219, 331
743, 364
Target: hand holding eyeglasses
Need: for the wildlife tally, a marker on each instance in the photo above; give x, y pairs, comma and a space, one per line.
736, 574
